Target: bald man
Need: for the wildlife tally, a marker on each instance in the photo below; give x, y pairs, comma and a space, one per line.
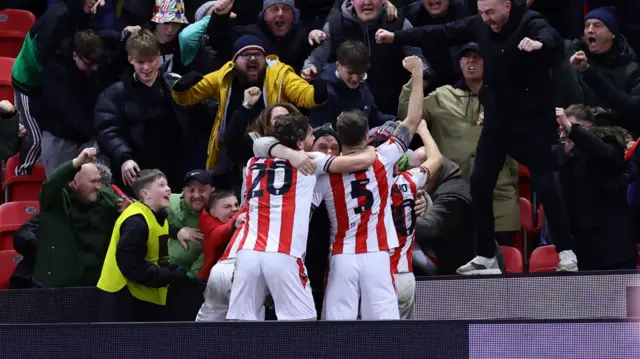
78, 214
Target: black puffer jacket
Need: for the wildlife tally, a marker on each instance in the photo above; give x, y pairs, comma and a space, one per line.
141, 123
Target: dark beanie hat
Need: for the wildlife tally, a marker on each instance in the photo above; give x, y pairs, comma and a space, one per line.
267, 3
244, 43
607, 15
325, 130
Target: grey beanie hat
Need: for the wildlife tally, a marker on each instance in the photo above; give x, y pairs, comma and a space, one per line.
202, 10
289, 3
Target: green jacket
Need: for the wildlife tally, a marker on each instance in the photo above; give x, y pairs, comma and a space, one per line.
57, 25
74, 236
452, 115
192, 258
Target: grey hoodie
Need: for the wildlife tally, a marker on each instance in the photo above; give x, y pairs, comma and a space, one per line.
321, 54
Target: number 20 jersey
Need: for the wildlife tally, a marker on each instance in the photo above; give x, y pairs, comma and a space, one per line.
359, 204
278, 206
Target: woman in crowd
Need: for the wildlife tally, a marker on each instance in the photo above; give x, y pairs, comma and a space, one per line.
247, 124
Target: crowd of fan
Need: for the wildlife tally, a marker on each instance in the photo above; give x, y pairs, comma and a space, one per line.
187, 87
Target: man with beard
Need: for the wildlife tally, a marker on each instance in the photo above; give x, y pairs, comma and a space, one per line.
249, 67
519, 49
185, 239
278, 27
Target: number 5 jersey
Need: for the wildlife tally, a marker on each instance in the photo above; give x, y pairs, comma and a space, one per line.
359, 204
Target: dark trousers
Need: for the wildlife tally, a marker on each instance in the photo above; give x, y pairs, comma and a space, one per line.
121, 307
533, 150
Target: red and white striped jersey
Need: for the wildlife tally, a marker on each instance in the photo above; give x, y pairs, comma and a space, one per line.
403, 197
279, 204
232, 247
359, 206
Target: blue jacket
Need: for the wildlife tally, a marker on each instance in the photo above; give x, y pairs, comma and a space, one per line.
342, 98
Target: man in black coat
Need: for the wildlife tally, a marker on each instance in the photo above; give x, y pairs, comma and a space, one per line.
278, 27
443, 60
519, 48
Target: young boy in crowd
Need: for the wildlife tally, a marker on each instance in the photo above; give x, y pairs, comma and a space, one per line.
217, 225
136, 273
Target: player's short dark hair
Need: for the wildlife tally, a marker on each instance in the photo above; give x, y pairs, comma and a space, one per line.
354, 55
144, 179
218, 195
143, 45
89, 45
291, 128
352, 128
581, 113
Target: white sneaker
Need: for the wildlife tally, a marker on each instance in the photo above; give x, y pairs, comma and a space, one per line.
568, 262
480, 266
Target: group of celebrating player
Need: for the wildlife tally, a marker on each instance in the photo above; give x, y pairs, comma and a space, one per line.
371, 211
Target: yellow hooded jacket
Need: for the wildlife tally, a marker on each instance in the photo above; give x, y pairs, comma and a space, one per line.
281, 84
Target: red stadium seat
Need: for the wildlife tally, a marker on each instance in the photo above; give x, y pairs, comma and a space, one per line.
14, 27
6, 89
16, 20
512, 259
11, 43
9, 259
544, 259
528, 232
22, 188
12, 216
524, 182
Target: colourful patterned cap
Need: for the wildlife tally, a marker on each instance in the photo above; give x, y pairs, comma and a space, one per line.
167, 11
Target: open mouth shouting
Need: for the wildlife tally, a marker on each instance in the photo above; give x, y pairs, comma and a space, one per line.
471, 69
434, 4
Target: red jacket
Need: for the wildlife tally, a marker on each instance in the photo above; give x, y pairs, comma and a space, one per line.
216, 237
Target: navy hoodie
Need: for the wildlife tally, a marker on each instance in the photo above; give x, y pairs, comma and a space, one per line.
342, 98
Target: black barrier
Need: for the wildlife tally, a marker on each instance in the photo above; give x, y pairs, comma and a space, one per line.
513, 339
394, 339
613, 294
80, 305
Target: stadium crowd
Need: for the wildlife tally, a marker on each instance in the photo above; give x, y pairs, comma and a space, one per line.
267, 148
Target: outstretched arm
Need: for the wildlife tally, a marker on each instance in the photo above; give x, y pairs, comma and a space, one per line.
409, 125
434, 157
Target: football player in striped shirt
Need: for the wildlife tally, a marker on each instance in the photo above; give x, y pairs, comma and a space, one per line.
274, 237
359, 205
403, 199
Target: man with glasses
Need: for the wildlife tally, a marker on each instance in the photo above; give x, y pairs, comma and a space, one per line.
347, 87
71, 90
249, 67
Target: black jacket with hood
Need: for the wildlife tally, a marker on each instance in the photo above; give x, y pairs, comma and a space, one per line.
516, 86
292, 49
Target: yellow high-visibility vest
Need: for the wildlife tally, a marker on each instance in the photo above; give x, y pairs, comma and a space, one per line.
112, 280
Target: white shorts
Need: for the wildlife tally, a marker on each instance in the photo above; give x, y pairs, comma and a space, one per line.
260, 273
216, 295
406, 288
363, 279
